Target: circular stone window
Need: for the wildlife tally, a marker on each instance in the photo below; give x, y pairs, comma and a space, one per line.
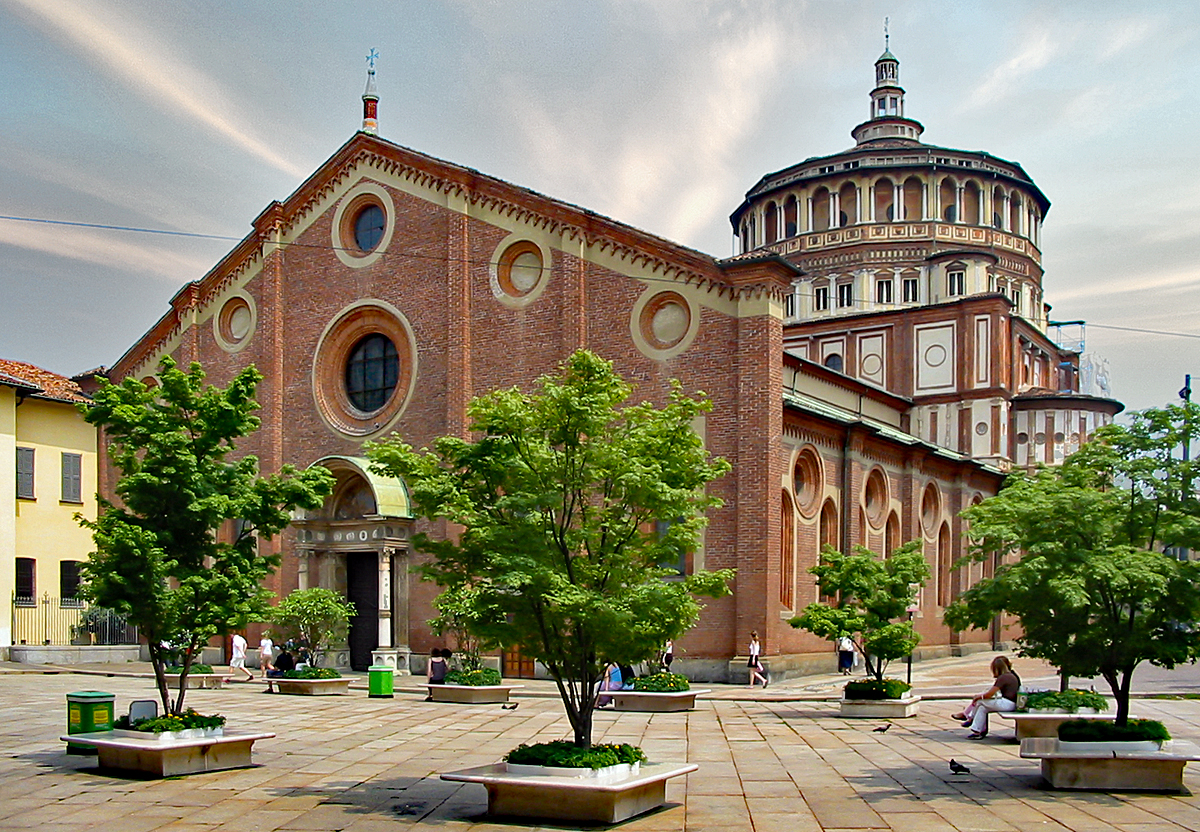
235, 322
519, 272
807, 482
363, 225
364, 369
665, 320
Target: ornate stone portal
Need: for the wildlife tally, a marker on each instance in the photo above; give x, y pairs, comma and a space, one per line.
357, 544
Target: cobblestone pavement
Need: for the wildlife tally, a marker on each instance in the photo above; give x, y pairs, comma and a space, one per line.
778, 760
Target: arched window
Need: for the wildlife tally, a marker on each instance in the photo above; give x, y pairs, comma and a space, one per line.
885, 192
771, 222
834, 361
913, 189
972, 203
945, 590
848, 197
946, 198
787, 559
821, 217
790, 220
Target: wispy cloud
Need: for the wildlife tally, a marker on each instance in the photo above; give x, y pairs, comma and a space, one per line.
102, 248
150, 68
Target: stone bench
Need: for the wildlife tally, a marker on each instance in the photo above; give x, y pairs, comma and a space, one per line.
575, 799
1029, 725
139, 751
309, 687
655, 701
471, 694
1110, 768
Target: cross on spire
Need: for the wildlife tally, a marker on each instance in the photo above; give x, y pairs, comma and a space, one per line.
372, 57
886, 36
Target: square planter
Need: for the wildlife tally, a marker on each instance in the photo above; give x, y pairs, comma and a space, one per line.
573, 799
311, 687
1115, 767
471, 694
880, 708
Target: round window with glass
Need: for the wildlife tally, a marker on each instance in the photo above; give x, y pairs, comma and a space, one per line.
372, 372
369, 224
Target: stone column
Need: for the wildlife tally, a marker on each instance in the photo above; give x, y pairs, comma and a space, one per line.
393, 650
302, 556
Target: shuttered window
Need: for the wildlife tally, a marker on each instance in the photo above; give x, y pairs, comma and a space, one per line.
72, 478
25, 473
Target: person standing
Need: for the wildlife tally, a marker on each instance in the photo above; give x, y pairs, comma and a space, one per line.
668, 655
845, 651
755, 663
237, 659
266, 653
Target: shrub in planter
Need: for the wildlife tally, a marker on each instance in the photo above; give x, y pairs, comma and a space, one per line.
312, 673
1098, 730
876, 689
175, 670
662, 683
480, 677
564, 754
171, 722
1067, 700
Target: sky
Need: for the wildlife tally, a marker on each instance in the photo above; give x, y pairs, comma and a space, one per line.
193, 117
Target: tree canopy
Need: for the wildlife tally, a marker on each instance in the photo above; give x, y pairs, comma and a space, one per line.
867, 595
1077, 555
161, 560
313, 617
575, 507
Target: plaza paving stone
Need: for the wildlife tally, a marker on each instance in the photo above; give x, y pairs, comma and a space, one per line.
780, 759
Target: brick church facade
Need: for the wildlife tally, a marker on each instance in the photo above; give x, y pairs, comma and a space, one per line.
391, 287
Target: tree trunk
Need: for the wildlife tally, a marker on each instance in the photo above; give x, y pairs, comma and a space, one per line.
1064, 682
1122, 694
160, 675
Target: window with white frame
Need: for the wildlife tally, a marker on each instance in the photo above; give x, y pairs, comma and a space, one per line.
821, 298
910, 289
845, 294
956, 282
789, 305
883, 290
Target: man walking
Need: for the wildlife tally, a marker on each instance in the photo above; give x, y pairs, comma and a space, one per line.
237, 660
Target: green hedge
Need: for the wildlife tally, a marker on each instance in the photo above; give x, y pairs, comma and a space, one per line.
1067, 700
188, 719
312, 673
563, 754
874, 689
1101, 730
473, 678
662, 683
175, 670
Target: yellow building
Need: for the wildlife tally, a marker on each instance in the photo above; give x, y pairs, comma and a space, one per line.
52, 450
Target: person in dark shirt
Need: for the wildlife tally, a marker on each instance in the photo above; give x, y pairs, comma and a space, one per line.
283, 661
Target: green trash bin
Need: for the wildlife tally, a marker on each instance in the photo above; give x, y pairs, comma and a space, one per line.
88, 711
380, 680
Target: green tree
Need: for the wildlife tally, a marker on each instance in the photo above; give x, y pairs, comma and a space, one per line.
314, 617
463, 612
159, 558
1092, 593
572, 504
867, 595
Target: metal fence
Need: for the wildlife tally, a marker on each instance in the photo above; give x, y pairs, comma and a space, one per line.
51, 621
